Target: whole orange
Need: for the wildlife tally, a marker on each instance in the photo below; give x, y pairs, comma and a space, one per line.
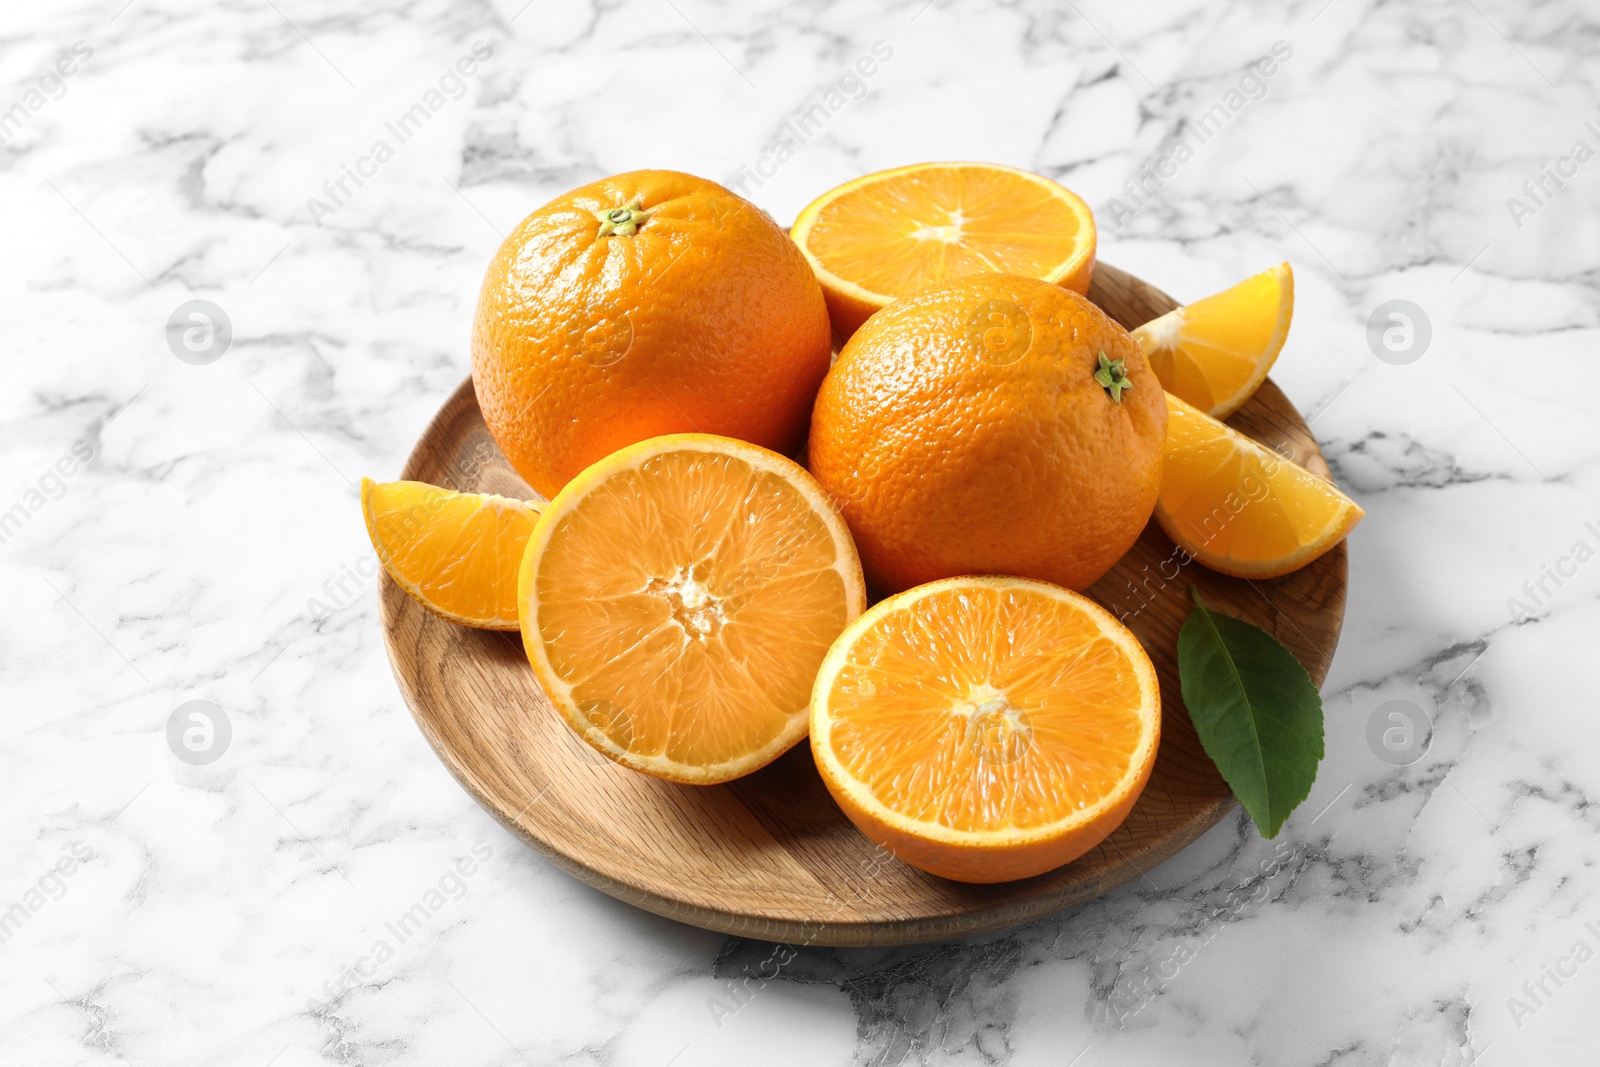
643, 304
990, 425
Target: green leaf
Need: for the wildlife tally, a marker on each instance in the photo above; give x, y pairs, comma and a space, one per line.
1256, 710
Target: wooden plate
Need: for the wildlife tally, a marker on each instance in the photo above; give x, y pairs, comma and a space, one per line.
769, 856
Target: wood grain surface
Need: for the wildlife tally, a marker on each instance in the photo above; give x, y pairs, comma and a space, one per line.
769, 856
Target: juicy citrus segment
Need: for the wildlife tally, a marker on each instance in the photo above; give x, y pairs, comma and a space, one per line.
1241, 508
891, 233
986, 729
456, 553
1215, 352
677, 598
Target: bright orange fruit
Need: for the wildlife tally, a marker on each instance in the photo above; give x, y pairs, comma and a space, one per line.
985, 729
991, 425
1215, 352
677, 598
877, 238
1241, 508
456, 554
647, 303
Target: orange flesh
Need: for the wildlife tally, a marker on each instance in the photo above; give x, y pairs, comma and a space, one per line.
457, 553
1214, 352
904, 232
987, 710
688, 602
1234, 502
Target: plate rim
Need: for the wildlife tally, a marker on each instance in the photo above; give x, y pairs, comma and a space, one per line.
958, 924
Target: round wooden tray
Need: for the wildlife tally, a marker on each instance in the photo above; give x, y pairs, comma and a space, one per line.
769, 856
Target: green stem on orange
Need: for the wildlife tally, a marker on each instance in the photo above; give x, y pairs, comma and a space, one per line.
622, 220
1112, 376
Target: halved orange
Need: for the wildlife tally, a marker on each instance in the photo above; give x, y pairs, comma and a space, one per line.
985, 729
456, 554
1239, 507
1215, 352
677, 598
879, 237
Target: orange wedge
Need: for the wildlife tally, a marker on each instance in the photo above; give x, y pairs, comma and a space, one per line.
455, 553
1215, 352
1239, 507
677, 598
985, 729
897, 231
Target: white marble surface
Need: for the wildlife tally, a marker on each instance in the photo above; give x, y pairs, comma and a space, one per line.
201, 537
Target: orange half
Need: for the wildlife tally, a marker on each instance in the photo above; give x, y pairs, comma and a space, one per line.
456, 554
1215, 352
891, 233
1239, 507
677, 598
986, 729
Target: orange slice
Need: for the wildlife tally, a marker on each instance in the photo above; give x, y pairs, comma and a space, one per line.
1215, 352
1239, 507
677, 598
455, 553
894, 232
985, 729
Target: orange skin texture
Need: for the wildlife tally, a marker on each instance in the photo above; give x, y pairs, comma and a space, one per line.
945, 463
847, 311
707, 319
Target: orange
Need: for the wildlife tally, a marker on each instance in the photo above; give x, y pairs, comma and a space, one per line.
647, 303
1239, 507
677, 598
456, 554
880, 237
1215, 352
985, 729
991, 425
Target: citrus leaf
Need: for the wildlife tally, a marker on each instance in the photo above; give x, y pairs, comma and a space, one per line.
1258, 714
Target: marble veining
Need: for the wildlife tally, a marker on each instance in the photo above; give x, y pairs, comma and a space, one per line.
173, 529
